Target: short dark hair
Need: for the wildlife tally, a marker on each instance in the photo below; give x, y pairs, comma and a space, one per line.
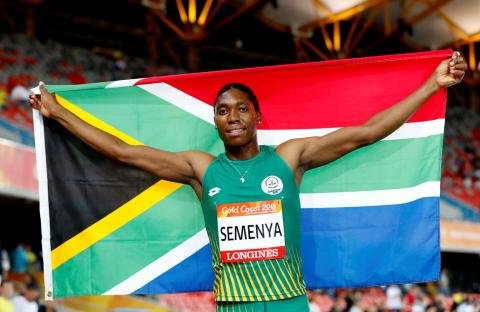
239, 86
33, 285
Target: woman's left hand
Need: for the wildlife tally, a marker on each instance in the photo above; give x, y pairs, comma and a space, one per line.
451, 71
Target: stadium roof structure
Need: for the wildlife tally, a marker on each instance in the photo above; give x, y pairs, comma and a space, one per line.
423, 24
419, 24
279, 31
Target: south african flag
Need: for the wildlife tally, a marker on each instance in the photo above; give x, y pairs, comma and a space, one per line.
370, 218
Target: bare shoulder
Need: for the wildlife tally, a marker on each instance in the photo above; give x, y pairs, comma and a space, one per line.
199, 155
291, 151
199, 161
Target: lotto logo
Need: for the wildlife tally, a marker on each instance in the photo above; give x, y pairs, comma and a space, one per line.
214, 191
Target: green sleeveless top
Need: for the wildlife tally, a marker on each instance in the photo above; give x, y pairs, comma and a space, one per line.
253, 227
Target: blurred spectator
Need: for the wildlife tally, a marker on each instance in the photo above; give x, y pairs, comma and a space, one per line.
3, 95
4, 262
20, 93
444, 283
409, 296
18, 114
437, 305
26, 301
466, 306
312, 307
457, 300
419, 297
32, 259
418, 305
340, 304
356, 302
394, 298
6, 289
20, 260
76, 76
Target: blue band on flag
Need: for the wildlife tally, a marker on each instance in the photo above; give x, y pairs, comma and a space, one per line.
355, 234
193, 274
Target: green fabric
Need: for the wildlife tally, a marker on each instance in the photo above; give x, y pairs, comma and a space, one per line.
118, 106
385, 165
80, 87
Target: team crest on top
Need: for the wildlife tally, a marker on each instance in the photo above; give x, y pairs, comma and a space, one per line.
272, 185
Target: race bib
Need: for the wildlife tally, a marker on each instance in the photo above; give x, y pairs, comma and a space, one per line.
251, 231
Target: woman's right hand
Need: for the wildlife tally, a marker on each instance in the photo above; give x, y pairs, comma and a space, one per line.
46, 103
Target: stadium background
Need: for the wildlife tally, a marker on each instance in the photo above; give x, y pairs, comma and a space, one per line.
70, 42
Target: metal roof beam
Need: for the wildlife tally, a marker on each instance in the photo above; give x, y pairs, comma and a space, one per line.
250, 6
348, 42
453, 27
431, 7
429, 10
343, 15
314, 49
321, 7
365, 26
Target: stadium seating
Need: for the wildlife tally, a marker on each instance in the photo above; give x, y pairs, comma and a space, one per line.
24, 61
461, 159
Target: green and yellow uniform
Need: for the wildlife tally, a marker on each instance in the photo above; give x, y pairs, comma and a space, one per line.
254, 229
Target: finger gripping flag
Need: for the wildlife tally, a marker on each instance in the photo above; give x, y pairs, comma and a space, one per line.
369, 218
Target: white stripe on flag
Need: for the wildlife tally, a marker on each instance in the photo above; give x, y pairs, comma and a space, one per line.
181, 99
315, 200
123, 83
161, 265
43, 198
406, 131
370, 198
204, 111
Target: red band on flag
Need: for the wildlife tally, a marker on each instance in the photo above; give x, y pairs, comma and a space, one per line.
321, 93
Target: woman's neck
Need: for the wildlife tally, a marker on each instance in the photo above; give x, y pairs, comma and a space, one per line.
243, 152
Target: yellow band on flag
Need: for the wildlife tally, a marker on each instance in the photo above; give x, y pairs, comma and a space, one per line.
121, 215
94, 121
112, 222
